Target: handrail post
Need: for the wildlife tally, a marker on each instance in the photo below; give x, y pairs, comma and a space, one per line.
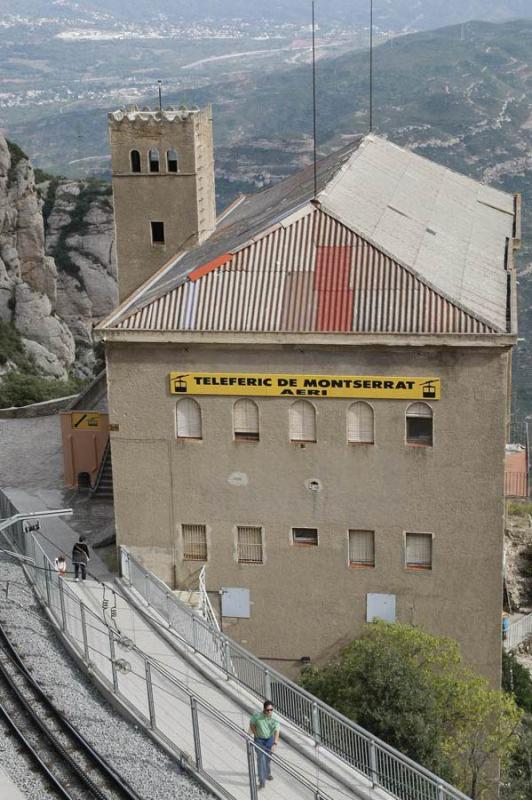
373, 763
251, 771
440, 792
63, 611
47, 581
84, 632
226, 656
112, 653
194, 634
149, 691
196, 732
316, 732
267, 684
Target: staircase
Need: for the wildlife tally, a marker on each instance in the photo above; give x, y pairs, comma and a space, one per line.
103, 485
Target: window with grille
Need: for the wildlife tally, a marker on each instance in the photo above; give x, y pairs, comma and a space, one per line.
194, 542
135, 161
419, 550
246, 420
361, 548
419, 424
172, 161
302, 421
249, 545
154, 160
360, 424
188, 419
307, 536
157, 232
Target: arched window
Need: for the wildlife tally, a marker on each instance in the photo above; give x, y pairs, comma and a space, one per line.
154, 159
302, 422
172, 160
419, 424
360, 423
246, 420
188, 419
135, 161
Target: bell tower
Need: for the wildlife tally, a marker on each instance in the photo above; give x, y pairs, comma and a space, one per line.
162, 165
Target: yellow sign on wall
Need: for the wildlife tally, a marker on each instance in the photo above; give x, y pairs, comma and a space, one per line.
86, 421
273, 385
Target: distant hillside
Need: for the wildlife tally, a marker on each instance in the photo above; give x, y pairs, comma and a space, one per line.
461, 95
393, 14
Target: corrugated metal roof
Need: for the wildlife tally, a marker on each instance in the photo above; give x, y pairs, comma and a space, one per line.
314, 275
428, 255
449, 229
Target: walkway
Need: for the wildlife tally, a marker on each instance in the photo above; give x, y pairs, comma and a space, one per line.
224, 757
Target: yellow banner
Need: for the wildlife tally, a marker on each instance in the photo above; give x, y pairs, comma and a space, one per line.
273, 385
86, 421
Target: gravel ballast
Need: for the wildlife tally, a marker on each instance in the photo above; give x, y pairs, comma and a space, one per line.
129, 749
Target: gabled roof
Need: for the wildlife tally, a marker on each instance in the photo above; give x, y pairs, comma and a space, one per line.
400, 245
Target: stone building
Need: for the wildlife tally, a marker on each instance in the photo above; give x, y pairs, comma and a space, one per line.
163, 187
312, 403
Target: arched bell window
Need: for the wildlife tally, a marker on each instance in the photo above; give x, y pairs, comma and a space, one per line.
154, 160
135, 161
172, 160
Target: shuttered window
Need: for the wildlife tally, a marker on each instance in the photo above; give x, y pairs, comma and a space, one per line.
361, 548
246, 420
194, 542
188, 419
249, 545
360, 423
419, 424
302, 421
419, 550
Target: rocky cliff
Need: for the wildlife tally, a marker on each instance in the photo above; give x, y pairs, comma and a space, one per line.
57, 267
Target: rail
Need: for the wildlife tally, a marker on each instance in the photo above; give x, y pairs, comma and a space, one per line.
223, 761
519, 631
384, 766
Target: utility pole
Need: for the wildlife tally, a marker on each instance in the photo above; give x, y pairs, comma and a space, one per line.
314, 113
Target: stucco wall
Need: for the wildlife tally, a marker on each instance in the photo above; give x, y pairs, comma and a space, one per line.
308, 601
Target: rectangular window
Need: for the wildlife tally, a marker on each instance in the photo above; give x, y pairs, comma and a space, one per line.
194, 542
157, 232
249, 542
307, 536
361, 548
419, 550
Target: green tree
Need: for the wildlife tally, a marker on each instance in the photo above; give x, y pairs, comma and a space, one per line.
517, 681
517, 778
412, 690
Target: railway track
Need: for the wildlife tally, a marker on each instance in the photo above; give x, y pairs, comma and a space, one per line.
73, 769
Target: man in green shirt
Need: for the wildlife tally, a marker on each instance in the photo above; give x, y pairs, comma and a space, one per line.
265, 730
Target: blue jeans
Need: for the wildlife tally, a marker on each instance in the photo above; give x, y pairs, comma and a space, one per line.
264, 750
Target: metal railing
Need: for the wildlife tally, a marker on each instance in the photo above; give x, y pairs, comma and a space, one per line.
206, 606
518, 632
384, 766
208, 743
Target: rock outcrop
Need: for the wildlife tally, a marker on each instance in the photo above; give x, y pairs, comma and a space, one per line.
57, 267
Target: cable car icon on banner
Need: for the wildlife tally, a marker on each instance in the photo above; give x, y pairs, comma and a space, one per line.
429, 389
179, 385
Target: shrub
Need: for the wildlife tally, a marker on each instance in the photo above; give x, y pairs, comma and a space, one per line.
20, 389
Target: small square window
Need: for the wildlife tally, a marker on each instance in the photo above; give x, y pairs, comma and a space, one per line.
157, 232
419, 551
306, 536
194, 542
361, 548
249, 542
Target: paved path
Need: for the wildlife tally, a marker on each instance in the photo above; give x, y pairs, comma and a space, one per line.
8, 790
223, 752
